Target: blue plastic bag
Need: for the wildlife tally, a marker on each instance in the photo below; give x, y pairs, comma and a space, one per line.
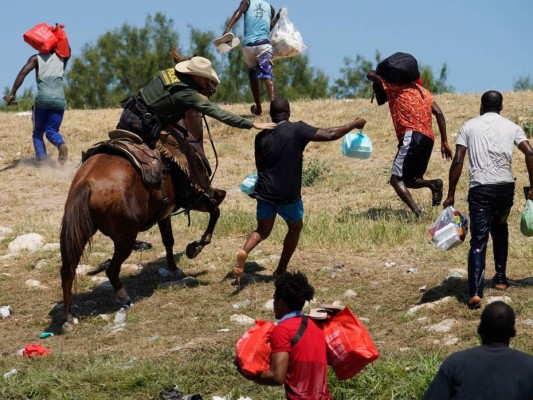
248, 184
357, 145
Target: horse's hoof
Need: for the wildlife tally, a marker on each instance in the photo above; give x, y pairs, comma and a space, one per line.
193, 249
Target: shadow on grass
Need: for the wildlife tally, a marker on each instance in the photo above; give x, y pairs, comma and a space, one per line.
102, 300
450, 287
251, 275
459, 288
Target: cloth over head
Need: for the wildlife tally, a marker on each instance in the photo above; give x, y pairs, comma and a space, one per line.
198, 66
226, 42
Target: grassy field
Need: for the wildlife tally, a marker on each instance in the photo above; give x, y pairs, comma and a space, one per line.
359, 247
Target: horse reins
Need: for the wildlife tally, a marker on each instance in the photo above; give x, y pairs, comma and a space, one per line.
187, 210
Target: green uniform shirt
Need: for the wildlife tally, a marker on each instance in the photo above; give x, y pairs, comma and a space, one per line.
170, 96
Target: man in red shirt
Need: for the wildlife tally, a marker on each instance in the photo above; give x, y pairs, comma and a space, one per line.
298, 358
411, 107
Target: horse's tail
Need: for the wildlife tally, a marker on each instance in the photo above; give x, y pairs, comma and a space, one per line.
76, 228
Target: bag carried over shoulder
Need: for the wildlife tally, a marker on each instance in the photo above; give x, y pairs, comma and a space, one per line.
253, 348
349, 345
449, 229
44, 38
526, 222
41, 37
397, 68
285, 39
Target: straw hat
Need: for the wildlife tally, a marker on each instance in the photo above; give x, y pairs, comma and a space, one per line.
226, 42
198, 66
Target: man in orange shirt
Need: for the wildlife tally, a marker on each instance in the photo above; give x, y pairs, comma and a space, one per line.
411, 107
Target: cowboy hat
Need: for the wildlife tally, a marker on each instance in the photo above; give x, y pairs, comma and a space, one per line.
198, 66
226, 42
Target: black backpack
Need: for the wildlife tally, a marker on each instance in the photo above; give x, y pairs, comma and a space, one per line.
397, 68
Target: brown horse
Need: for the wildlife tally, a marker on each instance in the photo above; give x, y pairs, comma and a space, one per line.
107, 194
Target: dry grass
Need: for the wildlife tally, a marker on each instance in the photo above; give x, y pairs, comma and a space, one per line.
354, 225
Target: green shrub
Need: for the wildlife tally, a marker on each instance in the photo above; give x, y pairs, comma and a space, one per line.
313, 172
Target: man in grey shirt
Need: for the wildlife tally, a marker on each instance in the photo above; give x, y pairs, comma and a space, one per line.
491, 371
489, 141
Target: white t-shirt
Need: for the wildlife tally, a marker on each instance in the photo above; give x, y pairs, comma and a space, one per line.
489, 140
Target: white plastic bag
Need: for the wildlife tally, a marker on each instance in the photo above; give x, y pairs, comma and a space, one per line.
285, 39
449, 229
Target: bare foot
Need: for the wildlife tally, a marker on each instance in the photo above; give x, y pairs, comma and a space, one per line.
238, 268
500, 286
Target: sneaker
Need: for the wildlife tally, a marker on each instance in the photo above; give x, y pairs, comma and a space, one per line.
436, 191
63, 154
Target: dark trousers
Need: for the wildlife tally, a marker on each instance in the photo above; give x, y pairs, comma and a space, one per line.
489, 207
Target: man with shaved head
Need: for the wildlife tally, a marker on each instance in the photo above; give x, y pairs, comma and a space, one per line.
489, 140
279, 161
490, 371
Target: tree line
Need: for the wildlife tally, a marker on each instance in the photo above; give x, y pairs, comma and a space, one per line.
123, 60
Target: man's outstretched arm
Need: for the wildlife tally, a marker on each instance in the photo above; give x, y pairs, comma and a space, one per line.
243, 7
326, 135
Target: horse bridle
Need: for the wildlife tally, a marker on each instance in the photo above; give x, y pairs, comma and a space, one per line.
187, 210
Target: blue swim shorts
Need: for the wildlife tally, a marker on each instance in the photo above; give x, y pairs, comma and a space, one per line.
292, 212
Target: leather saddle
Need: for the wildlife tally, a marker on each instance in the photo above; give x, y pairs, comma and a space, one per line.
146, 160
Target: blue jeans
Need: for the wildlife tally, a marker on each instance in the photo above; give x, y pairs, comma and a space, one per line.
489, 207
46, 122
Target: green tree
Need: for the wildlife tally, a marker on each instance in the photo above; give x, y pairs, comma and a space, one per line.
523, 83
296, 79
439, 85
353, 81
120, 63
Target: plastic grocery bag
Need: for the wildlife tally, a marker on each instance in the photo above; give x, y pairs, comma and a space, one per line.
41, 37
449, 229
285, 39
62, 47
248, 184
253, 348
349, 345
526, 222
356, 145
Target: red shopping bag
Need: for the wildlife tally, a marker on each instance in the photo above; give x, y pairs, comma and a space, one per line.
62, 46
349, 346
253, 348
41, 37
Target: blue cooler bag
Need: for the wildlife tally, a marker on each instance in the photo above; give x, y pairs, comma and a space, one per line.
357, 145
248, 185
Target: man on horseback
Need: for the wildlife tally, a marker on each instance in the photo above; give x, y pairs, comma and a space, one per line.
163, 102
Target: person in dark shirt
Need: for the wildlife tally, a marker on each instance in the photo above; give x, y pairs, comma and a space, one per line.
490, 371
298, 360
279, 160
